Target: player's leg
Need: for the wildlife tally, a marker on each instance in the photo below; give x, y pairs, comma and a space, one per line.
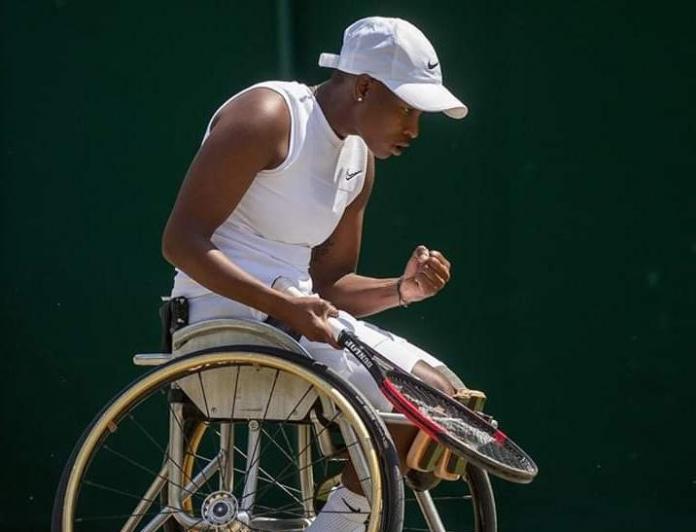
401, 353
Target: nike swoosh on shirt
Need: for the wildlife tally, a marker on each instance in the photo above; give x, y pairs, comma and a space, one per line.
354, 510
350, 176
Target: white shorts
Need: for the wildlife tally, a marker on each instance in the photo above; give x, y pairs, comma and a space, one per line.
397, 350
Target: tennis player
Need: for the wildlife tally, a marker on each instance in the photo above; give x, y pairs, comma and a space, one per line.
279, 188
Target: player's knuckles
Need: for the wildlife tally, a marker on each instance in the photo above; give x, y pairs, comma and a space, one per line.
438, 268
442, 273
445, 274
436, 283
434, 276
438, 262
441, 258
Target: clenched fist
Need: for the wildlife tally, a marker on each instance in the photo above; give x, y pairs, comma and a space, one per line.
426, 273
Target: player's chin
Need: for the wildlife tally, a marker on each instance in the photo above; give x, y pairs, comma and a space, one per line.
388, 150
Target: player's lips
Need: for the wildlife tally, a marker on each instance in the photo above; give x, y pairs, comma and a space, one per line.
399, 147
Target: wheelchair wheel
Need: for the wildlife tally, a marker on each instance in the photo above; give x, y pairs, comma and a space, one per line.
233, 438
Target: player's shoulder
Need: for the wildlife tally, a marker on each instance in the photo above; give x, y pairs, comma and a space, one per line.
269, 98
262, 109
258, 103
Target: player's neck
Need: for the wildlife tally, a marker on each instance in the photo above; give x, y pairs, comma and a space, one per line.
336, 109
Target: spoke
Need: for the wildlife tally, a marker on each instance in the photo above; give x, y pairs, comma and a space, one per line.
193, 527
115, 490
294, 409
301, 502
198, 489
452, 498
265, 447
148, 470
287, 507
300, 451
200, 457
269, 479
122, 516
285, 437
187, 441
411, 529
234, 402
280, 448
144, 431
205, 397
258, 440
275, 481
267, 476
284, 473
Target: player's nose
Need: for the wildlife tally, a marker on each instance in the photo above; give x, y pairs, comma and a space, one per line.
413, 126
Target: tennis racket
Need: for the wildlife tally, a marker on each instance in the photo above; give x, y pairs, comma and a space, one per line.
444, 419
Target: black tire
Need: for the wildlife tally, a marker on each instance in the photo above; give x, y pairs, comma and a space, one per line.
482, 499
115, 412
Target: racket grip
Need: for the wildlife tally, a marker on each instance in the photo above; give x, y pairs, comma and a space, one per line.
283, 284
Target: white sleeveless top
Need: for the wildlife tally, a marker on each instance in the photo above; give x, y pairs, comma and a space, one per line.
292, 208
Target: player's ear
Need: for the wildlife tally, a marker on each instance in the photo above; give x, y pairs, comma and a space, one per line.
363, 84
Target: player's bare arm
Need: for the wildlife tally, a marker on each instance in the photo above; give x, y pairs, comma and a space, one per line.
250, 135
334, 265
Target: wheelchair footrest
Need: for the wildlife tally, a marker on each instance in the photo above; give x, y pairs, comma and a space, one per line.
428, 456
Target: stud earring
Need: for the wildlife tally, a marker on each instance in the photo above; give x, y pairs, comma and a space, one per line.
360, 98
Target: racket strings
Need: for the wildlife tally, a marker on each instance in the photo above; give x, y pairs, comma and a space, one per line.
464, 427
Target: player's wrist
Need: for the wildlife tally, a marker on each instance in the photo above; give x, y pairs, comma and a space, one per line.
399, 294
281, 306
409, 291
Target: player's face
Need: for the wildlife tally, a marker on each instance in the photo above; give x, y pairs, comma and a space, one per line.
387, 123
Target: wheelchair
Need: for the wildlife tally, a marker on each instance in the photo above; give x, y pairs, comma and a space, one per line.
239, 429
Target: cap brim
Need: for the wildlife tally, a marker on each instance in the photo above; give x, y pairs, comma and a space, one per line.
430, 97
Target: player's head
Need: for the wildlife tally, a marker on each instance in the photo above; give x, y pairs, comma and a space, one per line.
395, 75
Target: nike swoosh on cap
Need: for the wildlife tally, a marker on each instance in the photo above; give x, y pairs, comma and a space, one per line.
350, 176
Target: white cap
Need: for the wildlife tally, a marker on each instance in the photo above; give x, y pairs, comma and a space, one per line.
396, 53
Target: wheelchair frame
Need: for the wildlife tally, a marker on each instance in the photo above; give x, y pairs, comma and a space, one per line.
259, 343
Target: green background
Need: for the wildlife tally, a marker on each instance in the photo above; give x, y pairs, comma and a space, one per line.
566, 202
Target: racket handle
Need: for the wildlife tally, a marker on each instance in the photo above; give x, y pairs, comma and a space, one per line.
283, 284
